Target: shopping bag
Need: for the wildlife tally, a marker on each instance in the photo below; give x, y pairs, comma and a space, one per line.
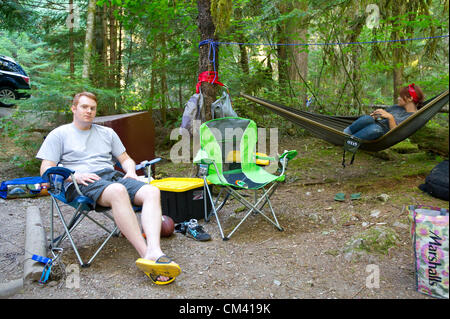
222, 107
192, 112
429, 234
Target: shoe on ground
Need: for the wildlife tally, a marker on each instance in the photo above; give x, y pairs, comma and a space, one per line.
195, 231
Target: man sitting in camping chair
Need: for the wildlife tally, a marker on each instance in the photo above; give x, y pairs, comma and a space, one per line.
88, 149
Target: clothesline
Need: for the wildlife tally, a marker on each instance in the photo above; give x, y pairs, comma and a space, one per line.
215, 43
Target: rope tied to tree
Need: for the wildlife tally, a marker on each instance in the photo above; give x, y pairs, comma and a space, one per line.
213, 45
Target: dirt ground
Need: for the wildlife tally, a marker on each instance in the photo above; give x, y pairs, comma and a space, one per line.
307, 260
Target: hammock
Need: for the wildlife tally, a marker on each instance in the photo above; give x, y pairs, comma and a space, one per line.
330, 128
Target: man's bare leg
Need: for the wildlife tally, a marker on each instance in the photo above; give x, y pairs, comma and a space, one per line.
116, 197
149, 198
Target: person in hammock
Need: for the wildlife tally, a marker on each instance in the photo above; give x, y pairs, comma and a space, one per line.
381, 121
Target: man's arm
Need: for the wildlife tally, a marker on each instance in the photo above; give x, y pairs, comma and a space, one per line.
45, 165
80, 178
128, 165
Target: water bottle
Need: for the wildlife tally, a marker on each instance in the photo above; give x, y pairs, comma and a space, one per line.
202, 170
57, 181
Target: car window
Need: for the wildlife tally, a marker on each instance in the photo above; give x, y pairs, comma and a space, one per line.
3, 66
10, 67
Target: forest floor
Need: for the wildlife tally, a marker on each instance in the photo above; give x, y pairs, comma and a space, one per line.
310, 259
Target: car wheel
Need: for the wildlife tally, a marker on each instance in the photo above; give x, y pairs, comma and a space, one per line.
7, 96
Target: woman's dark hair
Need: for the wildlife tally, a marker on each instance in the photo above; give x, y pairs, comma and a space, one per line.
413, 91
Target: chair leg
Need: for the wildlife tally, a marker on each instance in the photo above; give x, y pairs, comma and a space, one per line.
213, 207
78, 216
254, 207
67, 233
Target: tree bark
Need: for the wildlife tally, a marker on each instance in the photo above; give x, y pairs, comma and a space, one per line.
163, 76
100, 67
112, 47
397, 53
207, 31
71, 47
119, 55
104, 56
297, 68
88, 39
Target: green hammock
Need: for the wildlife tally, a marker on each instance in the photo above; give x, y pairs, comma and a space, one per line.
330, 128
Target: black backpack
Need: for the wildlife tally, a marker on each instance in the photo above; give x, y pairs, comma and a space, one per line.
436, 183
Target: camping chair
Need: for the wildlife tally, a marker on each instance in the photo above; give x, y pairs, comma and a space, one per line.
227, 154
83, 208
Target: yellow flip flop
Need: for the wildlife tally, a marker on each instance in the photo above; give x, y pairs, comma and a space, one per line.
157, 282
163, 266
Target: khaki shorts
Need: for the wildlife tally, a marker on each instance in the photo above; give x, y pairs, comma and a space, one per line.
108, 177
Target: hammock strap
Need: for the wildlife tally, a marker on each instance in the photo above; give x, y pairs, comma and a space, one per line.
351, 145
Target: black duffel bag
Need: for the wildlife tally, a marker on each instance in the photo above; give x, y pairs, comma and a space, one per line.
436, 183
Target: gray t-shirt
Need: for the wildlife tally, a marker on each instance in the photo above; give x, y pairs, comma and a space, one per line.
82, 151
399, 114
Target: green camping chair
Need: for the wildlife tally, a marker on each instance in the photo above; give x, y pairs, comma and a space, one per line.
228, 157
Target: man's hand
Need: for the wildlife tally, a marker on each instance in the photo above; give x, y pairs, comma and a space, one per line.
132, 175
128, 165
85, 178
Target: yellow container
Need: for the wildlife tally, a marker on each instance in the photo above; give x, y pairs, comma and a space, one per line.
182, 198
177, 184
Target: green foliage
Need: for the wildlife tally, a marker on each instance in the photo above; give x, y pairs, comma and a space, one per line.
161, 37
15, 16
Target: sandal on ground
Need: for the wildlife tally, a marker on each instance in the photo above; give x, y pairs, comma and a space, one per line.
155, 280
355, 196
340, 197
163, 266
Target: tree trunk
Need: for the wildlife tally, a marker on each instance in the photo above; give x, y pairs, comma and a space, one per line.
119, 55
282, 58
112, 47
99, 68
297, 68
164, 93
130, 54
397, 54
88, 39
71, 47
207, 31
104, 56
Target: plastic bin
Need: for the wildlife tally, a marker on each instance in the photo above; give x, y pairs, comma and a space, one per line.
182, 198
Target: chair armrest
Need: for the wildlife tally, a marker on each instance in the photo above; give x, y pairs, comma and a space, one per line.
284, 159
268, 158
56, 176
289, 154
202, 158
146, 163
57, 170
